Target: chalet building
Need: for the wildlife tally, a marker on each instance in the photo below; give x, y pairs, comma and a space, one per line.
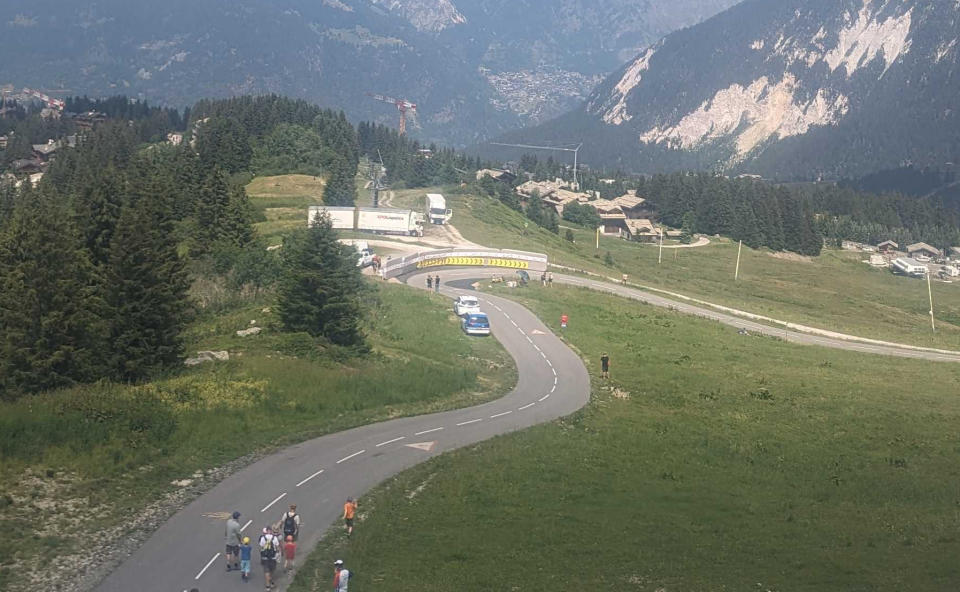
919, 251
888, 246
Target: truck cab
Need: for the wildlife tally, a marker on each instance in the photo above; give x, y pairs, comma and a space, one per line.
437, 211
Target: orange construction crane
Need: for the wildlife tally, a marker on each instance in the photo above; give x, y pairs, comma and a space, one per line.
50, 101
404, 106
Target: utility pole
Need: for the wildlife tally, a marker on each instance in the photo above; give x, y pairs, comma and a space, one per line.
933, 326
576, 152
660, 256
736, 274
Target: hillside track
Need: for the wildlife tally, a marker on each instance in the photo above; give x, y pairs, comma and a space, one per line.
318, 475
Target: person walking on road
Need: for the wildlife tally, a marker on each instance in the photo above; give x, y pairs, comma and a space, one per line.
429, 282
289, 553
232, 535
436, 284
269, 549
341, 576
349, 512
245, 552
290, 523
604, 366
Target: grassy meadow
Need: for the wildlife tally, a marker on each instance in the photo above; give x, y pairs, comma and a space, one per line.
835, 291
709, 461
81, 461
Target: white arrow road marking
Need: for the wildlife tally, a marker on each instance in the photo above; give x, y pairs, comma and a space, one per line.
346, 458
310, 477
279, 497
207, 566
424, 446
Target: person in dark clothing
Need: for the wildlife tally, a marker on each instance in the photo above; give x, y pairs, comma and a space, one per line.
429, 282
604, 366
436, 284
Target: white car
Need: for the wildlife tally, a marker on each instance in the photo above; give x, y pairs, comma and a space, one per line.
465, 305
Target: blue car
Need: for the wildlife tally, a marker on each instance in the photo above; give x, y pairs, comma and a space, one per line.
476, 324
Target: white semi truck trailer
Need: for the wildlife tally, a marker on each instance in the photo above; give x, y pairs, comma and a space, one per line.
437, 211
376, 220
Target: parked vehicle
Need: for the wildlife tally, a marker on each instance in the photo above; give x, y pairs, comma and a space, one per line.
437, 210
376, 220
476, 324
465, 305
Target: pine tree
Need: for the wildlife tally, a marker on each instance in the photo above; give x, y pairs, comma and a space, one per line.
146, 291
50, 310
211, 213
98, 209
341, 189
319, 292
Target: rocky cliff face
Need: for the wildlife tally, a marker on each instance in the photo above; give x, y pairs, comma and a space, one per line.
474, 68
791, 88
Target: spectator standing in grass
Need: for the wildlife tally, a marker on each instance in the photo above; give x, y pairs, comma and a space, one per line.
349, 513
232, 536
604, 366
543, 279
341, 576
429, 282
436, 284
550, 279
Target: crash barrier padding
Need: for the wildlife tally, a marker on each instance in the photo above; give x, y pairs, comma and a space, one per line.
502, 258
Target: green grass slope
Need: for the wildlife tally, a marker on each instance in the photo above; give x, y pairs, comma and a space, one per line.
835, 291
83, 461
710, 461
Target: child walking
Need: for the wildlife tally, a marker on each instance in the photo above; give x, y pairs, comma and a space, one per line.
289, 553
245, 550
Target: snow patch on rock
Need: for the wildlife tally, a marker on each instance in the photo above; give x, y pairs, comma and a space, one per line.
617, 114
757, 45
945, 48
865, 38
426, 15
751, 115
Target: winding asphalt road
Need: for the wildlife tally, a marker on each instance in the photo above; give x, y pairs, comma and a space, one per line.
320, 474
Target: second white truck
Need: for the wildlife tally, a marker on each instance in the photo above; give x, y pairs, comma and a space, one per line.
437, 211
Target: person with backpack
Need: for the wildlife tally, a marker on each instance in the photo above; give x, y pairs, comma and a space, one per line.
341, 576
269, 549
290, 523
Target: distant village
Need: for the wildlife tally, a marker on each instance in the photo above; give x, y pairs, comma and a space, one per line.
626, 216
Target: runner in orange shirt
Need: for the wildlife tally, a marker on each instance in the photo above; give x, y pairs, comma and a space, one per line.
349, 511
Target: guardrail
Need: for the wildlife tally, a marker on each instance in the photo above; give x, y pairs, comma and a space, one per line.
502, 258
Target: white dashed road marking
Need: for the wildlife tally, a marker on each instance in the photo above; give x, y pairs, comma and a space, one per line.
463, 423
346, 458
244, 527
427, 431
279, 497
207, 566
526, 406
501, 414
390, 441
310, 477
544, 398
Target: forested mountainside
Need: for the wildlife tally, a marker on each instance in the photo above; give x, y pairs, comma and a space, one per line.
794, 89
475, 69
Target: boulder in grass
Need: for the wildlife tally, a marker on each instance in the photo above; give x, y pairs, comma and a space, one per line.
248, 332
207, 356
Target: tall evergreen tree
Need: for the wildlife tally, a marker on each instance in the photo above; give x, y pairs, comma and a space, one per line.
146, 290
341, 189
50, 310
99, 201
211, 213
319, 292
